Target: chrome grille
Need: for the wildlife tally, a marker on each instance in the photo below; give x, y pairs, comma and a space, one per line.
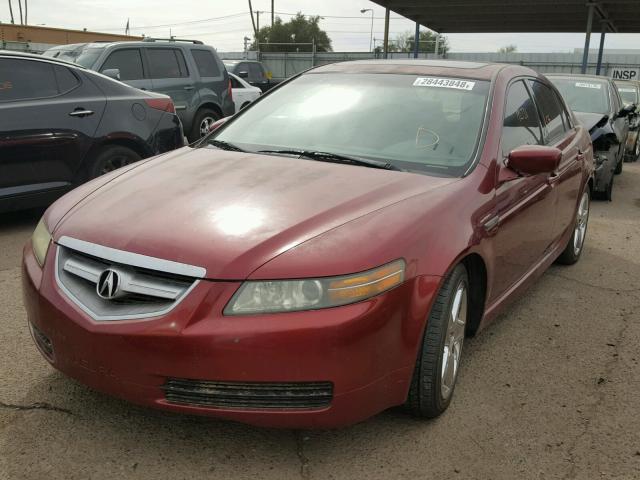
249, 395
136, 292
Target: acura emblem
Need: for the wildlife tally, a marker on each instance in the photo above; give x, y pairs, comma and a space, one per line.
108, 284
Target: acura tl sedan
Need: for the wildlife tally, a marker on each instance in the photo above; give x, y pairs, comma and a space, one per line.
321, 256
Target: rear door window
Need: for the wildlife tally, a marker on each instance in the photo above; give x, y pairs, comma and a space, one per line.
26, 80
521, 125
551, 111
255, 72
128, 61
206, 63
166, 63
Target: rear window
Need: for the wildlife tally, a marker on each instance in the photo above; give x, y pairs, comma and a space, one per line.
128, 61
28, 80
583, 94
628, 93
166, 63
206, 63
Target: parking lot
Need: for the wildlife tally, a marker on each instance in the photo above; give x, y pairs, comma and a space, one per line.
550, 390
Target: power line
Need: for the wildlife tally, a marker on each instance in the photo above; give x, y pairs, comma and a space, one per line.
191, 22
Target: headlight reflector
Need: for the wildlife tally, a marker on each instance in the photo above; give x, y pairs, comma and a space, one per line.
41, 239
311, 294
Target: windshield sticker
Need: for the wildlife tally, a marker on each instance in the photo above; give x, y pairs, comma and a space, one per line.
628, 90
444, 83
597, 86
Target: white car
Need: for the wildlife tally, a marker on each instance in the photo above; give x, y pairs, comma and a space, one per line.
243, 92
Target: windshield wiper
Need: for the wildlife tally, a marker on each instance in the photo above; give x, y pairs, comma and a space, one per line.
222, 145
335, 157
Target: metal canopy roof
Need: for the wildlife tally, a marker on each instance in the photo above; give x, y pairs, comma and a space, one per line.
502, 16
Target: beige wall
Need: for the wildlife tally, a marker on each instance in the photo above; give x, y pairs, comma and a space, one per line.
56, 36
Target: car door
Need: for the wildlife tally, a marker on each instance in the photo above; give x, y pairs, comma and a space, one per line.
130, 63
560, 133
620, 124
170, 75
523, 220
49, 114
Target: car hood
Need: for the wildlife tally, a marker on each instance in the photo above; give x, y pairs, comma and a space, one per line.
590, 120
231, 212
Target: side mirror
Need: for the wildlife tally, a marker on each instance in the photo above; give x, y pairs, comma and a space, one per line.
243, 74
112, 73
534, 159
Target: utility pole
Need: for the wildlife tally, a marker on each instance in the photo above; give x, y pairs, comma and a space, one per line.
11, 12
25, 12
20, 8
272, 13
246, 46
255, 31
258, 20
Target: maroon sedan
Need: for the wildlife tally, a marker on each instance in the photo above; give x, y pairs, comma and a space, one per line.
321, 256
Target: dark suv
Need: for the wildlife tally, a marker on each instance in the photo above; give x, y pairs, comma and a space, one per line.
252, 72
188, 71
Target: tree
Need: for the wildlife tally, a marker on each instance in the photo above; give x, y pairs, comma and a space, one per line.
404, 42
300, 29
508, 49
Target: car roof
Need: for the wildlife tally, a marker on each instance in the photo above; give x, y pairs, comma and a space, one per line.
149, 43
32, 56
453, 68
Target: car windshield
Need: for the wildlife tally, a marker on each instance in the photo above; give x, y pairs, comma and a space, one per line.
417, 123
88, 57
628, 93
583, 95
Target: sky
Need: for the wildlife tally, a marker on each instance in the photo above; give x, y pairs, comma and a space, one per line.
224, 23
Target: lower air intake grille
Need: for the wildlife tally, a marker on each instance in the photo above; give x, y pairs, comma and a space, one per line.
254, 395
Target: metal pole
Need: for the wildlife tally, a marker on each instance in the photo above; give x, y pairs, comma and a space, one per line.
272, 13
600, 51
313, 53
437, 47
416, 41
258, 20
386, 33
587, 38
371, 36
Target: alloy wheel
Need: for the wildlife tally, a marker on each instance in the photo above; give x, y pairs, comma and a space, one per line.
205, 125
454, 339
113, 163
582, 217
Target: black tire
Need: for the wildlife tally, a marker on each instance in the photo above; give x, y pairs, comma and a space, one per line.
606, 194
111, 158
571, 254
198, 128
618, 169
426, 398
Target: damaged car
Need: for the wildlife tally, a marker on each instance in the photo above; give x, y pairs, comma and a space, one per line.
598, 106
629, 91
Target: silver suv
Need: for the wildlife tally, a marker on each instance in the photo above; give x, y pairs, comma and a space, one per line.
187, 70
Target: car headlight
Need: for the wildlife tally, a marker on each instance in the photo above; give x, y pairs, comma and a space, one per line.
41, 240
311, 294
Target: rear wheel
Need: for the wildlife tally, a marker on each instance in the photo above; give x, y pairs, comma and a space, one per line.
438, 363
111, 158
202, 123
573, 250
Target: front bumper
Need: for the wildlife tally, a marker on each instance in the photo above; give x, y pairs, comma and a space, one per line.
366, 350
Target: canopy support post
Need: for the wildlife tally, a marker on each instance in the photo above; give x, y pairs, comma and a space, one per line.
386, 33
587, 38
600, 50
416, 41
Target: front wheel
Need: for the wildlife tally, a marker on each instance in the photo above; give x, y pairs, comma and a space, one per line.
202, 123
573, 250
438, 363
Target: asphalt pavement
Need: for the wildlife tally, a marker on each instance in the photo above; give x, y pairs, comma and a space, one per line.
550, 390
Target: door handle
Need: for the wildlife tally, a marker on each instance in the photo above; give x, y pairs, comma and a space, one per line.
188, 87
80, 112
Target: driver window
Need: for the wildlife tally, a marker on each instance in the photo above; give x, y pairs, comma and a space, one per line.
521, 125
